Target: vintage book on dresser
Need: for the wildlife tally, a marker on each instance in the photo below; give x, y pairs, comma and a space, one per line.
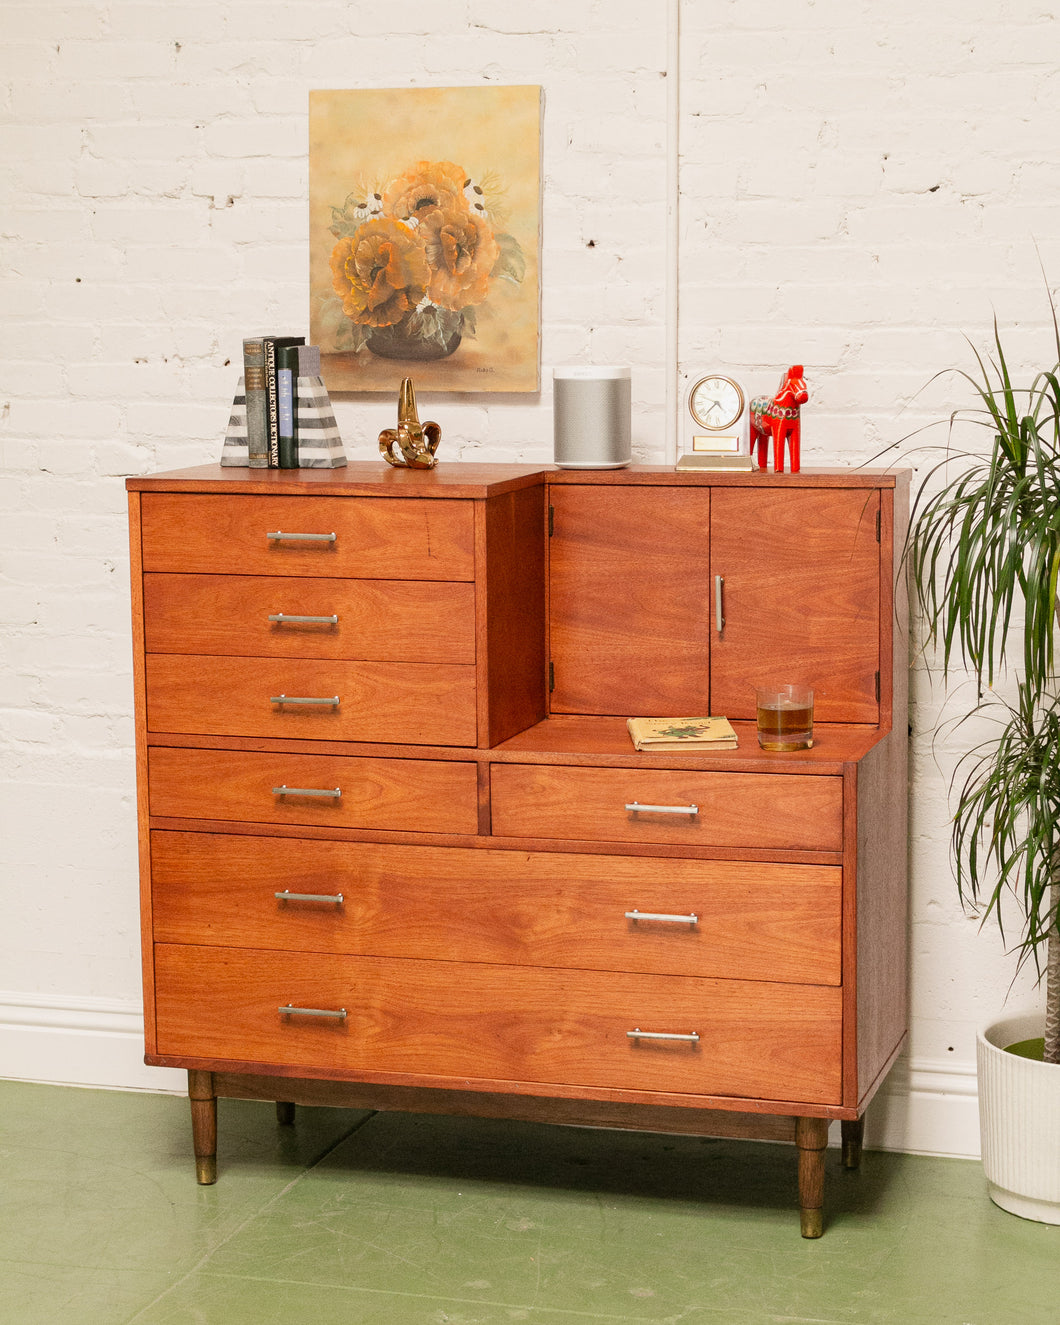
398, 849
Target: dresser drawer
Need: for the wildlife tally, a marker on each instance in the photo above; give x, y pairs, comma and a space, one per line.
420, 795
668, 807
416, 703
382, 620
716, 918
360, 537
450, 1021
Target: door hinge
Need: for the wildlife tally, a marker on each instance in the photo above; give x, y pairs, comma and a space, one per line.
551, 520
551, 677
877, 687
879, 515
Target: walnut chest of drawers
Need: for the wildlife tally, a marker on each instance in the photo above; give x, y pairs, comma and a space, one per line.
399, 852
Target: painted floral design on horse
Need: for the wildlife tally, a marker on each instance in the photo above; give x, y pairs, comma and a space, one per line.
777, 419
416, 256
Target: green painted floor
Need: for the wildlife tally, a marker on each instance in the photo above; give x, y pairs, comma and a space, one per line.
392, 1219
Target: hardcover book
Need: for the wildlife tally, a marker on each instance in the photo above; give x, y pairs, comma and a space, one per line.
255, 400
272, 346
696, 735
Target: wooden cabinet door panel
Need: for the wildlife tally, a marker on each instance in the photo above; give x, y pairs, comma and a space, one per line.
452, 1021
801, 572
730, 809
629, 600
381, 620
420, 795
755, 921
415, 703
375, 537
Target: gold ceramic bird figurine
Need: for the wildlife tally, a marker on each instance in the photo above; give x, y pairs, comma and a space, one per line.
410, 443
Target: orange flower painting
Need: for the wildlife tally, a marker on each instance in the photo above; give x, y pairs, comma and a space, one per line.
430, 264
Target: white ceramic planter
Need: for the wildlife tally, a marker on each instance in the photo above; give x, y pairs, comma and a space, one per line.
1019, 1122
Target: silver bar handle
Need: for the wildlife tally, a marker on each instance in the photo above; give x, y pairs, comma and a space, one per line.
691, 919
634, 806
279, 535
333, 700
289, 1010
283, 618
306, 791
288, 896
719, 612
638, 1034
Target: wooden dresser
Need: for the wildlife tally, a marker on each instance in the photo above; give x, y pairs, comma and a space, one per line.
399, 852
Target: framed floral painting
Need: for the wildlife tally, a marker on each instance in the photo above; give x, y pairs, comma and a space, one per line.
425, 222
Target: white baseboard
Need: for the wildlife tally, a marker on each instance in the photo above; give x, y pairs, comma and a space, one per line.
79, 1042
924, 1107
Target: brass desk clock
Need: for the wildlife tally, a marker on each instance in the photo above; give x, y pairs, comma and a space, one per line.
717, 406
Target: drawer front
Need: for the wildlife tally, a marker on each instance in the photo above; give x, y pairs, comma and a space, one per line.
753, 1039
361, 537
381, 620
693, 917
418, 795
418, 703
688, 809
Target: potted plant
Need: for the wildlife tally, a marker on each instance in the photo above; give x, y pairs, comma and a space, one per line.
984, 557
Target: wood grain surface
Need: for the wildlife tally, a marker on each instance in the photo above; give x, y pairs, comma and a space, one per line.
746, 920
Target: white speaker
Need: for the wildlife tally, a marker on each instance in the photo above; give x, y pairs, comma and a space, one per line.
591, 414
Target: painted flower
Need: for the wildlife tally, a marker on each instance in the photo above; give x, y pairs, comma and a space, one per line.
427, 185
380, 272
461, 251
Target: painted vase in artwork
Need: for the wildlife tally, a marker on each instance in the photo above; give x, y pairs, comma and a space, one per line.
418, 338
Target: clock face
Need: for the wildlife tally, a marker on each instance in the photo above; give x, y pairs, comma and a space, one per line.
715, 402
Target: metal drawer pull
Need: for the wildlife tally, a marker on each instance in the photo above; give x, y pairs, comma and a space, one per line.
663, 809
333, 700
306, 791
282, 619
289, 1010
287, 896
305, 538
692, 919
662, 1035
719, 614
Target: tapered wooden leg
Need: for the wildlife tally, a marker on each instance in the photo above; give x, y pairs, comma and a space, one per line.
853, 1134
284, 1112
203, 1125
811, 1137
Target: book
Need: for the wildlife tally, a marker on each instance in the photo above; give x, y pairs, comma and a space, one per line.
287, 414
254, 391
272, 345
695, 735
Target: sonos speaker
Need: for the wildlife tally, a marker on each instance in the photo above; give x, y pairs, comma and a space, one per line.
591, 412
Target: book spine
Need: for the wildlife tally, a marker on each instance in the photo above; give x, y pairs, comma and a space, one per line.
287, 422
254, 387
272, 416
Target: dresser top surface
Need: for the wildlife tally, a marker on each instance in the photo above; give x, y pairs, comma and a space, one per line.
470, 479
369, 477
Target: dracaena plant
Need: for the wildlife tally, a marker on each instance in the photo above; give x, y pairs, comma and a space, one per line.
984, 556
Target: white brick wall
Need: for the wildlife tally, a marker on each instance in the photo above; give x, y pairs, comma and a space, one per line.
861, 185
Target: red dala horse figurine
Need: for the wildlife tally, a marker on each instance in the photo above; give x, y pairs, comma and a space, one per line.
778, 418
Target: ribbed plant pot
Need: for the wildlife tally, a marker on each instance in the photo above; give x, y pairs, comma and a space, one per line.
1019, 1122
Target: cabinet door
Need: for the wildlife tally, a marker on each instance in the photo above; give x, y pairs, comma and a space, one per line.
629, 600
800, 571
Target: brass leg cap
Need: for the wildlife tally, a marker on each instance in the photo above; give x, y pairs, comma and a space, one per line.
812, 1223
206, 1170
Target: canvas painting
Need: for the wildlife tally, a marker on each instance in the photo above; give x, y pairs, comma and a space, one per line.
425, 221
